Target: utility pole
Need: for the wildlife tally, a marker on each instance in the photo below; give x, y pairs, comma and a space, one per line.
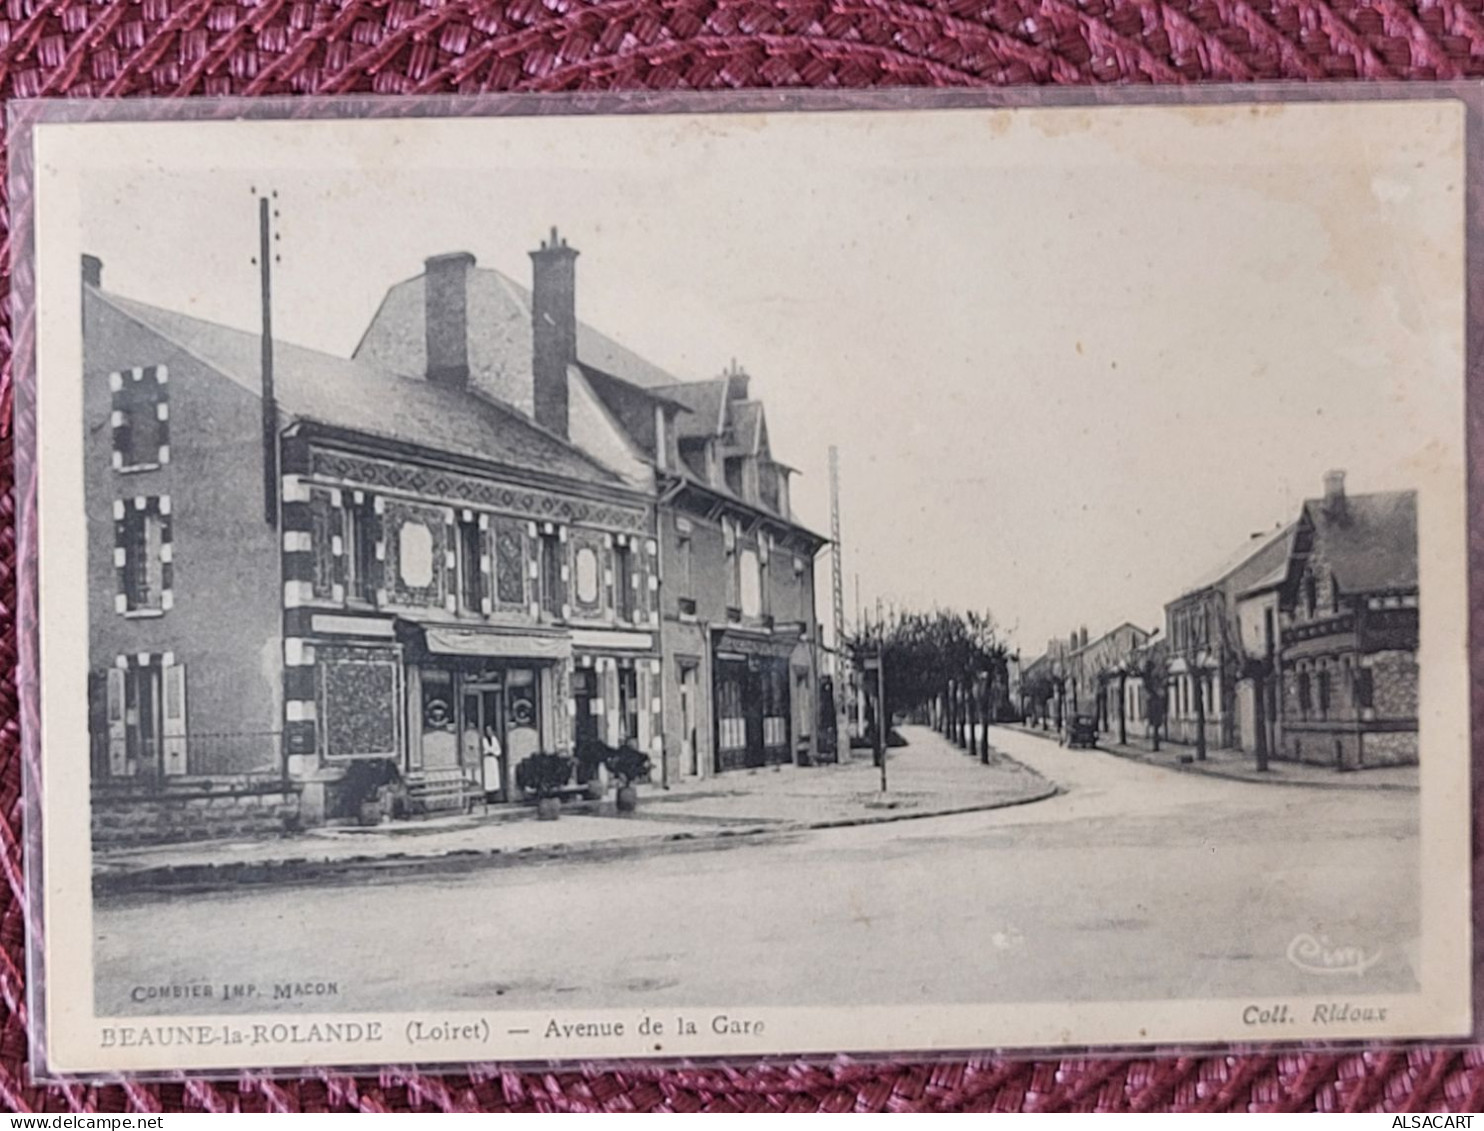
837, 587
267, 213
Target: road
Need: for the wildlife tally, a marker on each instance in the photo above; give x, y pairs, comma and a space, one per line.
1137, 882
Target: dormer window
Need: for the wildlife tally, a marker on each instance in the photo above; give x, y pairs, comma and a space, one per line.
141, 418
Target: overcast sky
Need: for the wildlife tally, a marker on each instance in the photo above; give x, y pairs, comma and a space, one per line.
1071, 358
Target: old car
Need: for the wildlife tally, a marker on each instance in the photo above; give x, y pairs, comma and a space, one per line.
1082, 731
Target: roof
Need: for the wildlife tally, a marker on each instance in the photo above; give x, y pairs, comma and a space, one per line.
707, 403
1245, 566
365, 398
1372, 544
745, 431
499, 322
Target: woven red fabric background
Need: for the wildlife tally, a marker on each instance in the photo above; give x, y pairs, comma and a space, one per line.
131, 48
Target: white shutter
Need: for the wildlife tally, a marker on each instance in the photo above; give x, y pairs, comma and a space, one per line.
118, 739
173, 725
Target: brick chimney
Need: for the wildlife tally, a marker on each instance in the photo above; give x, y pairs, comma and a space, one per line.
446, 318
1334, 494
92, 271
553, 330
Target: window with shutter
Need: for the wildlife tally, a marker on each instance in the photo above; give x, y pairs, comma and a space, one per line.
118, 735
173, 723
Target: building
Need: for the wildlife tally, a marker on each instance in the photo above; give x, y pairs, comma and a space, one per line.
441, 555
1349, 630
739, 610
739, 637
1207, 659
1102, 677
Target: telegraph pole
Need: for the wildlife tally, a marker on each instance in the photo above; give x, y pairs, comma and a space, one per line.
837, 577
267, 213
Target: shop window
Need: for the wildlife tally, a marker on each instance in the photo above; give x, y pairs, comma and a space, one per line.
141, 418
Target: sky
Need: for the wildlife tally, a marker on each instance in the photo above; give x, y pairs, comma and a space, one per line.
1070, 358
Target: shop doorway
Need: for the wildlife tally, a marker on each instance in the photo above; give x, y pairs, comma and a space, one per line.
485, 744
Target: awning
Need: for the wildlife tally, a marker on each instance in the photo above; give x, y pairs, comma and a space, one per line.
749, 644
448, 641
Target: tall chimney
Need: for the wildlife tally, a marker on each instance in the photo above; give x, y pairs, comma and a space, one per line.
1334, 494
446, 318
553, 330
92, 271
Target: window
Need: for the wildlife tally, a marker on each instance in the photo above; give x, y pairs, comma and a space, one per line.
143, 554
1268, 640
471, 573
1311, 594
628, 706
729, 549
624, 579
553, 589
1334, 593
146, 712
1323, 693
360, 551
1304, 699
684, 568
1365, 688
751, 583
324, 538
141, 418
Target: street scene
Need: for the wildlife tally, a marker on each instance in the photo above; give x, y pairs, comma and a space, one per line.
1031, 891
572, 601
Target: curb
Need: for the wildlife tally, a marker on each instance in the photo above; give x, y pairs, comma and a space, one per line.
197, 878
1226, 775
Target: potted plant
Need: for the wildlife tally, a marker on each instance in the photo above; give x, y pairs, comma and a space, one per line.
369, 790
628, 766
592, 757
545, 775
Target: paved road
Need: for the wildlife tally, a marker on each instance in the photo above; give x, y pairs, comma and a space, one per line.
1136, 883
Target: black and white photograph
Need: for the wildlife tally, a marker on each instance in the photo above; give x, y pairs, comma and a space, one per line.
660, 585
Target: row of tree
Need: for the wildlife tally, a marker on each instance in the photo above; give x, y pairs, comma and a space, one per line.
943, 667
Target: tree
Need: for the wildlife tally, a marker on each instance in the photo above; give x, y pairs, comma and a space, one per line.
1152, 667
941, 657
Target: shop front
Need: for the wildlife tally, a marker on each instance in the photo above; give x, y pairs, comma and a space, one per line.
753, 700
480, 701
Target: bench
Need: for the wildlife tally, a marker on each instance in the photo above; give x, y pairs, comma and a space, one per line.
441, 790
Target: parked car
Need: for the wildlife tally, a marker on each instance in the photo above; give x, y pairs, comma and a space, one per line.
1082, 731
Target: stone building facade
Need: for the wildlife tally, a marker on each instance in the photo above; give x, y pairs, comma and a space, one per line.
1349, 611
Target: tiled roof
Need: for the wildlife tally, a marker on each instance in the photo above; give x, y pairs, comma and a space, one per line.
1372, 544
706, 401
1253, 560
367, 398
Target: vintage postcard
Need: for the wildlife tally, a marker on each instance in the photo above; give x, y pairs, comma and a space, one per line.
775, 579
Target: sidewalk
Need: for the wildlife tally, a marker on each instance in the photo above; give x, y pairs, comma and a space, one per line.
928, 777
1241, 766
